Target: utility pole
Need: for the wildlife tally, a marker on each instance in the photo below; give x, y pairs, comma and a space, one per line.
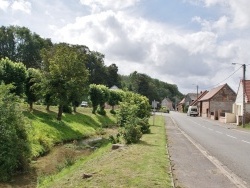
197, 92
244, 93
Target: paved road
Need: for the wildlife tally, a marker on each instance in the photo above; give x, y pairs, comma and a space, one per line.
223, 145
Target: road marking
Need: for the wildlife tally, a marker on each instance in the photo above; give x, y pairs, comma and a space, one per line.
245, 141
210, 129
219, 132
224, 170
231, 136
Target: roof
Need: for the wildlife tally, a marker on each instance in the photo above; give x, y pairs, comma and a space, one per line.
114, 87
203, 93
166, 99
212, 93
193, 96
247, 89
182, 101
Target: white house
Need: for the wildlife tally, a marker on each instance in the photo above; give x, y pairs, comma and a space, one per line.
238, 105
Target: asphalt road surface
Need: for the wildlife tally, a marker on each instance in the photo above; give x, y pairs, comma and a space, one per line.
211, 154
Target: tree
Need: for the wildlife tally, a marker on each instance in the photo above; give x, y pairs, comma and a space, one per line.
99, 95
113, 76
33, 86
20, 45
97, 69
13, 73
65, 73
115, 97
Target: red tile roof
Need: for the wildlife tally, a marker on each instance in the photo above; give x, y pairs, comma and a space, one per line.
212, 92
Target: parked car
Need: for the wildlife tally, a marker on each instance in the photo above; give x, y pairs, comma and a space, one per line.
84, 104
192, 111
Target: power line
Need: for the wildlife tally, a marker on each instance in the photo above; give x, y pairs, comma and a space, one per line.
223, 80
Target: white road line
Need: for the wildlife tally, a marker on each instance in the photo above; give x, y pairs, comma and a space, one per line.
219, 132
237, 181
210, 129
245, 141
231, 136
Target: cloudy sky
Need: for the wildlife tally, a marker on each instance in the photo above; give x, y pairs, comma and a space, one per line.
182, 42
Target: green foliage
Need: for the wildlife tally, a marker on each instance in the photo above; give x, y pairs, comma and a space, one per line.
20, 45
115, 97
131, 132
33, 86
67, 109
115, 139
145, 126
99, 95
66, 74
14, 148
13, 73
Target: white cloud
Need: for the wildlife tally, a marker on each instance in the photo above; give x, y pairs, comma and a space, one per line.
21, 5
99, 5
4, 4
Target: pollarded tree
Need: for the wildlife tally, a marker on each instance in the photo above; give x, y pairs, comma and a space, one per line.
33, 86
13, 73
65, 73
99, 95
115, 97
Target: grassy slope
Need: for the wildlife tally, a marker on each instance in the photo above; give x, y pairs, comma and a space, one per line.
140, 165
45, 131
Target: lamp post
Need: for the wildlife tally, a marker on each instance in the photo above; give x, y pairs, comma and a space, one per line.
244, 93
197, 87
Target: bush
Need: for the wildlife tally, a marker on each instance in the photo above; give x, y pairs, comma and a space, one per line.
67, 109
144, 124
14, 148
131, 133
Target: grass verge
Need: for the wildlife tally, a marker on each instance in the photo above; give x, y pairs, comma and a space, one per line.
44, 131
144, 164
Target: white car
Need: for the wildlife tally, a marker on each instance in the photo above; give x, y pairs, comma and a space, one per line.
84, 104
192, 111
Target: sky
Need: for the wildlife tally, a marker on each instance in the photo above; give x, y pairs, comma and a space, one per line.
189, 43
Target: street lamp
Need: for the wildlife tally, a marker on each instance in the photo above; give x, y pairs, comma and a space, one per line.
243, 86
197, 87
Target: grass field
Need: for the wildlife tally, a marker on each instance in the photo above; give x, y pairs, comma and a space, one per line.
144, 165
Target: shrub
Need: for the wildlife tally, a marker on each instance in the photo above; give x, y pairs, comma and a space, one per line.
67, 109
14, 148
144, 124
131, 133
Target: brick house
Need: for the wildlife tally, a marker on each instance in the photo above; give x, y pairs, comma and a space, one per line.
217, 101
238, 105
167, 103
196, 101
186, 101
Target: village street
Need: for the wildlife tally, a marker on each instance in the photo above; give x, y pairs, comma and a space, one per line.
207, 153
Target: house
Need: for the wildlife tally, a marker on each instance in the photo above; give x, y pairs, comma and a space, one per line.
180, 106
186, 101
196, 101
217, 101
167, 103
238, 105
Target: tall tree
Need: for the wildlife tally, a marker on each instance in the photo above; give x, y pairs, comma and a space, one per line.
66, 74
113, 76
97, 69
20, 45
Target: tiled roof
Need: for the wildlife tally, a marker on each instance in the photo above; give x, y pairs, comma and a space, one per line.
193, 96
182, 101
199, 97
212, 92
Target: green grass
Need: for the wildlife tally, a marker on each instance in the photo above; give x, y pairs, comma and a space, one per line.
144, 165
45, 131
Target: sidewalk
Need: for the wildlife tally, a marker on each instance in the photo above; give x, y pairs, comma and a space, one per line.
190, 167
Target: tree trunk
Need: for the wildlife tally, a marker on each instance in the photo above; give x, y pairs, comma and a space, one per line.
60, 111
74, 108
47, 107
31, 106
